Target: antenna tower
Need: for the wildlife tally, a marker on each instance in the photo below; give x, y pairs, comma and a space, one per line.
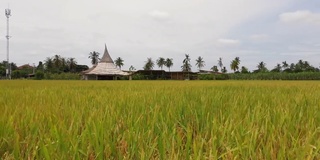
8, 70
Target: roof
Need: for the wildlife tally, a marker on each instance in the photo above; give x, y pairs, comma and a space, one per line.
105, 66
106, 69
106, 56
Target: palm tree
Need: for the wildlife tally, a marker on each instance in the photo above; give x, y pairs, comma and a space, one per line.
149, 64
169, 63
285, 65
186, 67
262, 67
72, 64
94, 56
119, 62
57, 61
48, 64
131, 69
220, 64
235, 64
161, 62
200, 62
277, 68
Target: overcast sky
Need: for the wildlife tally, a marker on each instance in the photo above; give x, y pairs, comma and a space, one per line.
254, 30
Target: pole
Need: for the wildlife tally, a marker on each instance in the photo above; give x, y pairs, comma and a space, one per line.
8, 70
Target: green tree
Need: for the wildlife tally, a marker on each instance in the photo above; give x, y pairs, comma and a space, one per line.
149, 64
277, 68
119, 62
161, 62
224, 70
285, 65
48, 64
169, 63
94, 56
244, 69
72, 64
215, 69
186, 66
235, 64
200, 63
261, 67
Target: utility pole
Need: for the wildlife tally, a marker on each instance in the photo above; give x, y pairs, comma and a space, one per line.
8, 70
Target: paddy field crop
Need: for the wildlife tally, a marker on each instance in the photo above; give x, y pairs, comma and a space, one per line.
159, 119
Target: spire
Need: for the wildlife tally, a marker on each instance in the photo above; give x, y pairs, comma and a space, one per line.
106, 57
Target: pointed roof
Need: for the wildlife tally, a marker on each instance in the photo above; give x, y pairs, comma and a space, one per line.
106, 57
105, 66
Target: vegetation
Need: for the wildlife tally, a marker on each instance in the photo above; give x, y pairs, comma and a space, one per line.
169, 63
173, 120
119, 62
161, 62
149, 64
94, 56
186, 66
200, 62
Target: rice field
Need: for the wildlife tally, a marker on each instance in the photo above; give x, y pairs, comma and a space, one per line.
159, 119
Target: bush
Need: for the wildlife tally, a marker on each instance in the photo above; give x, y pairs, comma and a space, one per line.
39, 75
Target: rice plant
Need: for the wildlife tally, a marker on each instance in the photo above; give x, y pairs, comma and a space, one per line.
159, 120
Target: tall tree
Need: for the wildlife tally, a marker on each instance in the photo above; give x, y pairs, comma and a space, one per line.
220, 64
40, 66
72, 64
149, 64
262, 67
169, 63
200, 63
48, 64
94, 56
161, 62
119, 62
235, 64
186, 66
277, 68
285, 65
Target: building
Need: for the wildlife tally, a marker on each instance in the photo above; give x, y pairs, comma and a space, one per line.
104, 70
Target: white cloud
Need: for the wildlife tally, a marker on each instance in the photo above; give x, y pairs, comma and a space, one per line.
229, 42
300, 17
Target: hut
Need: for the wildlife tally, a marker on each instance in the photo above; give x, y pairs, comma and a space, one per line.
104, 70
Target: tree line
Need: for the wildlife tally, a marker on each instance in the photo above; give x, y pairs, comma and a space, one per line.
300, 66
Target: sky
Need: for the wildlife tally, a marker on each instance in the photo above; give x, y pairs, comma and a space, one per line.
271, 31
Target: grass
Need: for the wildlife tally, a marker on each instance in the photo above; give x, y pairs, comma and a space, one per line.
159, 120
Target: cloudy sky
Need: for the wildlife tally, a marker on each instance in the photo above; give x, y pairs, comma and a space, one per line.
254, 30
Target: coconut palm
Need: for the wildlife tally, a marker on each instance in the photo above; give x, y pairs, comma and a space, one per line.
186, 64
169, 63
119, 62
149, 64
94, 56
72, 64
262, 67
235, 64
200, 62
161, 62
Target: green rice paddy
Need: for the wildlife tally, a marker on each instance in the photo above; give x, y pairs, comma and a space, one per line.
159, 119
